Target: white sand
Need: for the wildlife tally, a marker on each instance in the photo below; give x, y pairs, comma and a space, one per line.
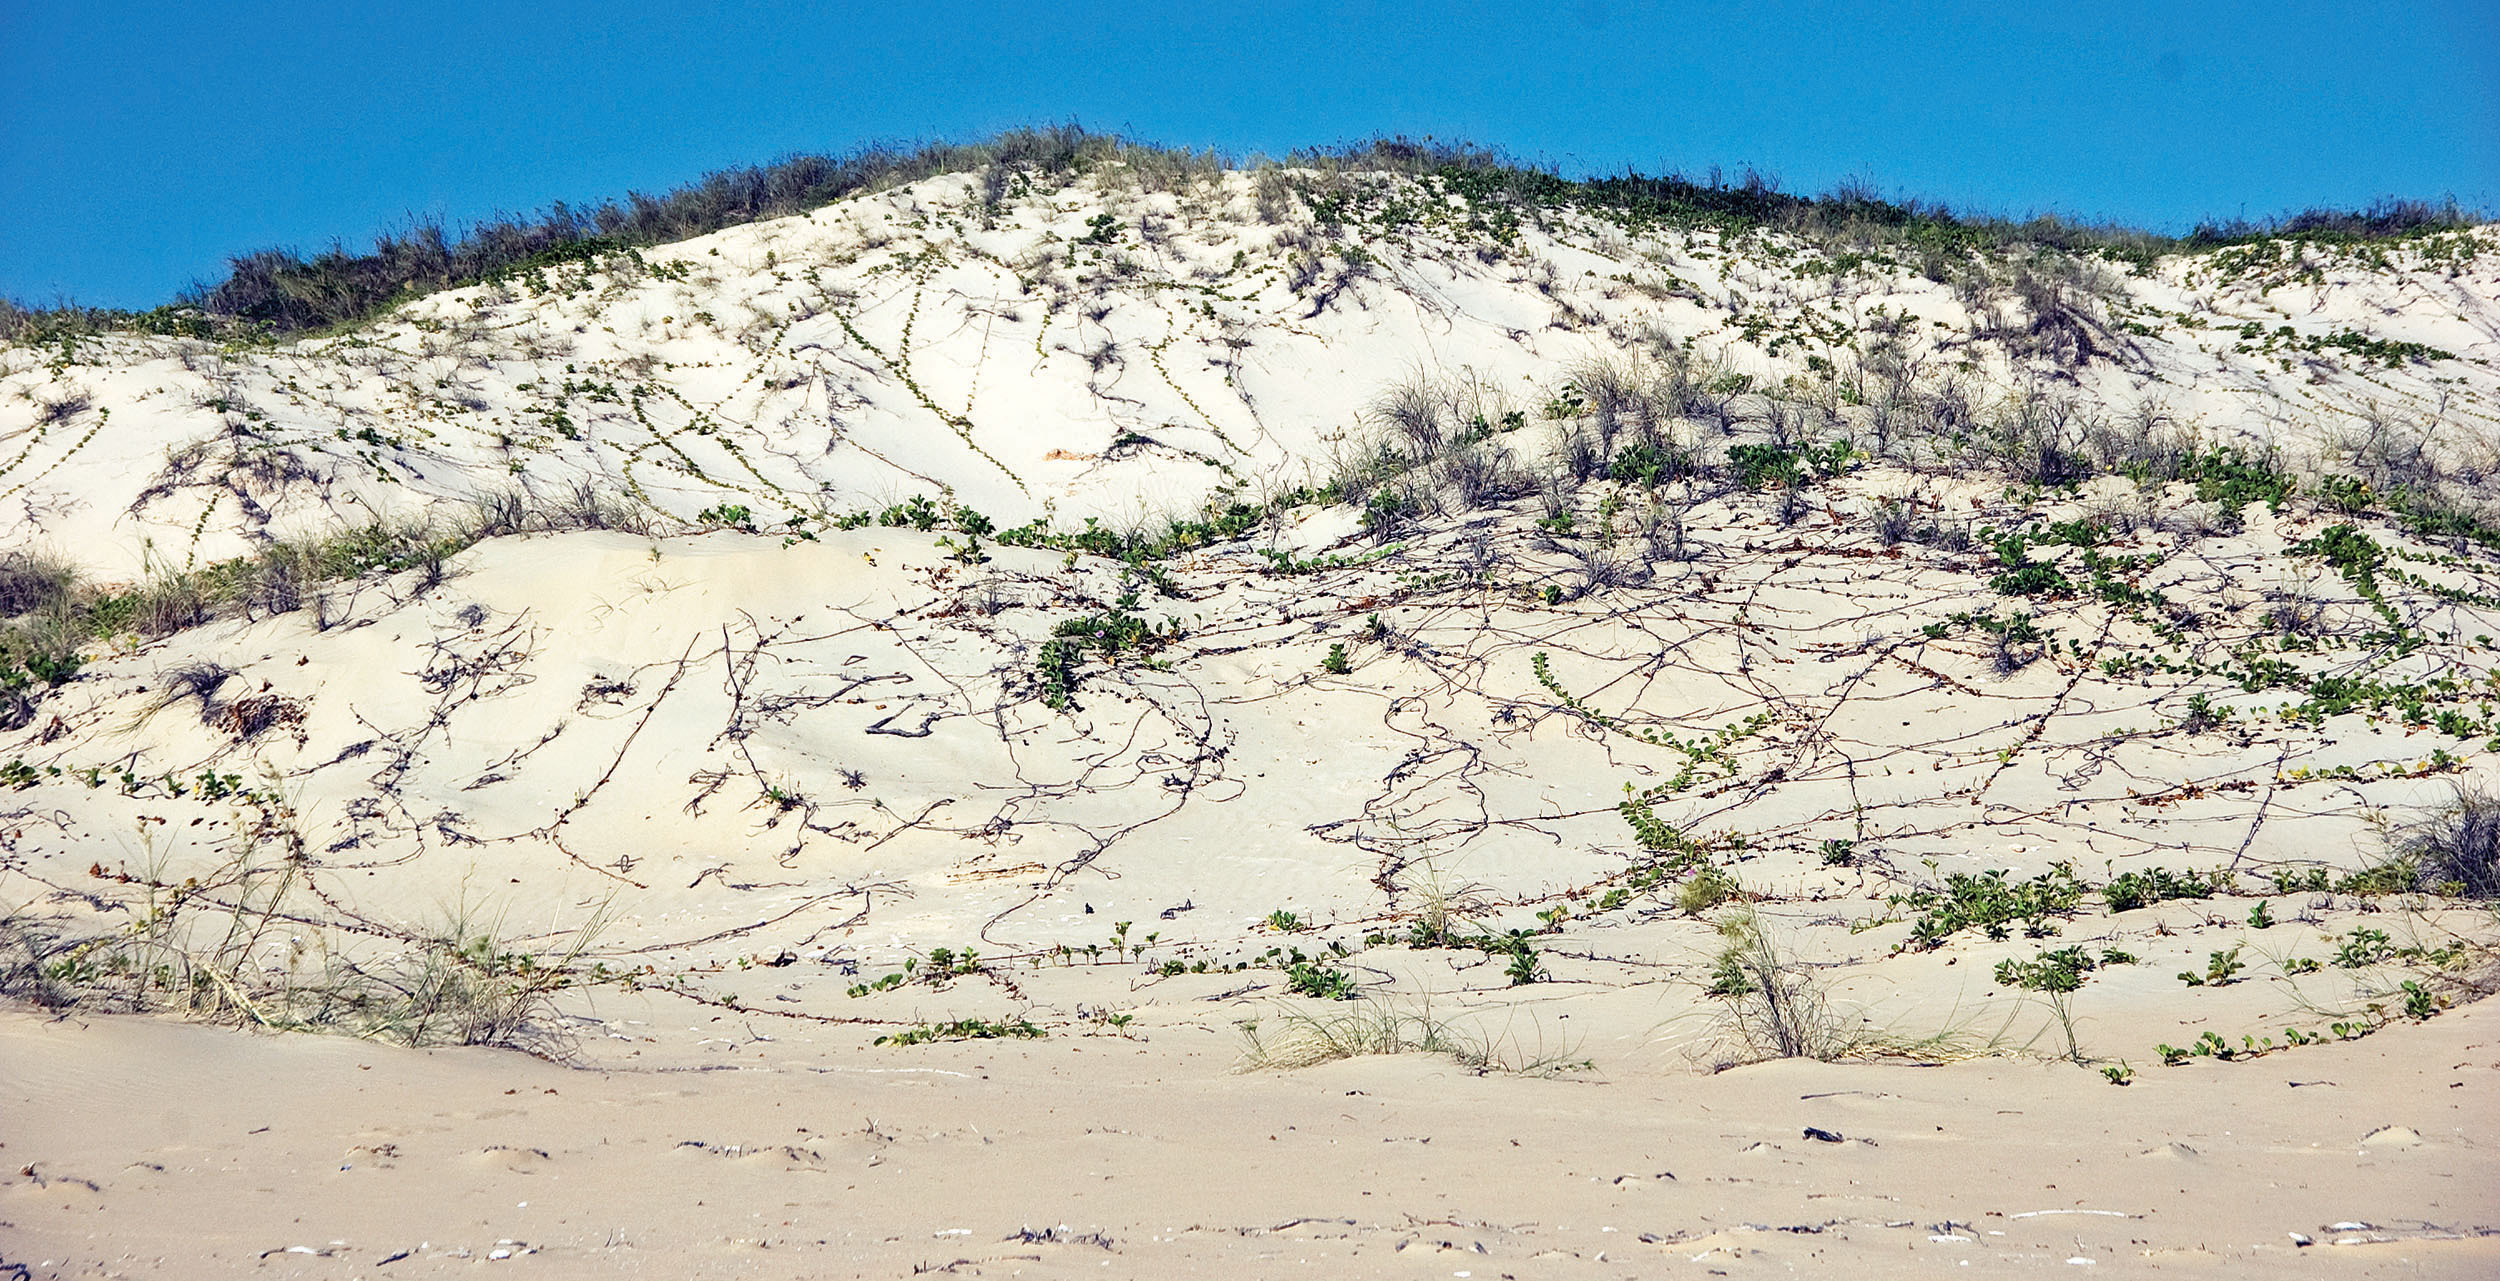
761, 772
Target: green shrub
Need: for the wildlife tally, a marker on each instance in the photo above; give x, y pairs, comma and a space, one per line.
2133, 890
1116, 632
1782, 467
1989, 902
963, 1030
1319, 979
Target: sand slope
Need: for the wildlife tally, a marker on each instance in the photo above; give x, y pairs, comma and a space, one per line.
1521, 772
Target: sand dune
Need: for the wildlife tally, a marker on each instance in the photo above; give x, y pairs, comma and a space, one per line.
1671, 751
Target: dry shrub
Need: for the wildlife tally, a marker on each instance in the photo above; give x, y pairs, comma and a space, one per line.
191, 681
60, 409
248, 718
33, 582
232, 946
1410, 414
1596, 569
2147, 441
2456, 849
1485, 475
2038, 438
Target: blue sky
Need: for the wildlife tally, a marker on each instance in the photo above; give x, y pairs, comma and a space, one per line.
141, 144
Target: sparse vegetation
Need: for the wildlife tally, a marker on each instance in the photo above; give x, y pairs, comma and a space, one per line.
972, 1029
1382, 1025
1772, 1006
228, 946
1992, 903
1117, 632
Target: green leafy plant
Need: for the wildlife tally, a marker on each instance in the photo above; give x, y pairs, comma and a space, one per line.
1771, 466
727, 516
2133, 890
1991, 903
54, 668
973, 1029
945, 963
2221, 969
2364, 946
2059, 971
2420, 1002
1115, 633
886, 984
916, 512
1318, 979
2055, 976
1524, 967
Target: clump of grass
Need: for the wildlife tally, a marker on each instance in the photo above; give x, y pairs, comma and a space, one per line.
1774, 1008
33, 582
1771, 1006
1381, 1025
2455, 850
1709, 886
39, 631
1447, 911
231, 947
2062, 319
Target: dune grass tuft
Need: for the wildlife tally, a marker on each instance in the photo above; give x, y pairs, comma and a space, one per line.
1388, 1025
231, 946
